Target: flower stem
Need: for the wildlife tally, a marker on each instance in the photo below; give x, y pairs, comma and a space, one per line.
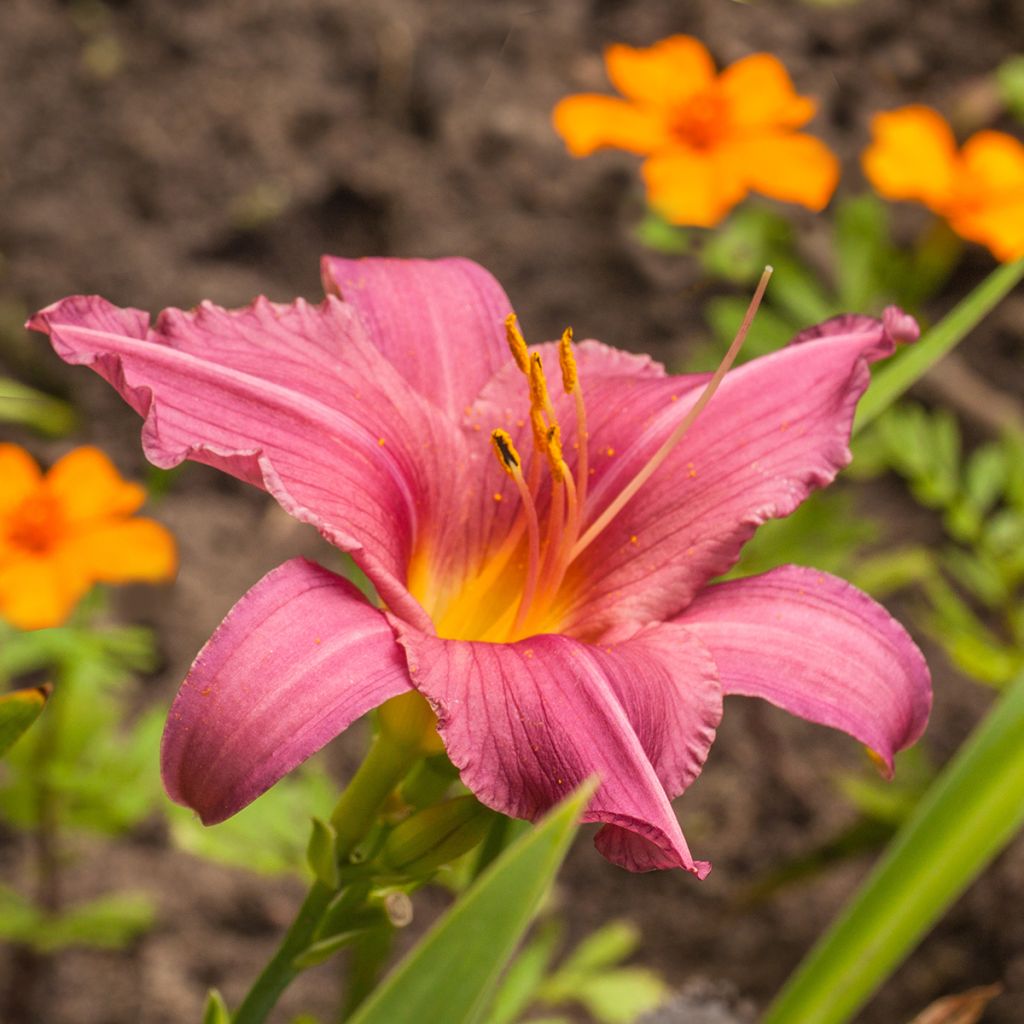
899, 374
384, 767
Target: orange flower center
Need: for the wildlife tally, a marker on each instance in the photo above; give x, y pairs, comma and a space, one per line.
35, 524
700, 122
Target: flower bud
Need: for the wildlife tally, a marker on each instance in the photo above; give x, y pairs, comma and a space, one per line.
436, 836
408, 722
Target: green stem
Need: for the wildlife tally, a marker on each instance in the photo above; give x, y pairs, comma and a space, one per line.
969, 814
899, 374
384, 767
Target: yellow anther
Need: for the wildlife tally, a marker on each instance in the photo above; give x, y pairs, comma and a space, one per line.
506, 451
554, 453
538, 385
567, 361
540, 430
517, 343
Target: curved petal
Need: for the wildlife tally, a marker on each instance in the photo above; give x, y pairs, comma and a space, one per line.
298, 658
131, 550
792, 167
667, 73
440, 323
691, 186
88, 486
20, 474
818, 647
526, 722
777, 428
590, 121
912, 156
293, 399
760, 94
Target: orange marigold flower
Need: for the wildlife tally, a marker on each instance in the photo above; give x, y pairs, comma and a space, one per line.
709, 139
65, 530
978, 189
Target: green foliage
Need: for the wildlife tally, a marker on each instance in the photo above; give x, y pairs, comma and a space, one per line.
974, 582
268, 836
30, 408
591, 975
867, 272
110, 922
18, 710
215, 1011
971, 812
1010, 82
453, 972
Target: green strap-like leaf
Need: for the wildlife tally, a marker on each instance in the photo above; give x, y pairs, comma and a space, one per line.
18, 710
904, 370
453, 971
969, 814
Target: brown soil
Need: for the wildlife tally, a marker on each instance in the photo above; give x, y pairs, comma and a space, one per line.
163, 151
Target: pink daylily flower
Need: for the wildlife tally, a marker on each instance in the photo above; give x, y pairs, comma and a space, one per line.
558, 618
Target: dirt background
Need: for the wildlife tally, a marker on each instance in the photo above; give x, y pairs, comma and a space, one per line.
163, 151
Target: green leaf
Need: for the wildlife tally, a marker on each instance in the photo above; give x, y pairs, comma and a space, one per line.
30, 408
525, 975
624, 995
657, 234
321, 853
606, 947
216, 1010
901, 372
971, 812
1010, 79
451, 974
18, 710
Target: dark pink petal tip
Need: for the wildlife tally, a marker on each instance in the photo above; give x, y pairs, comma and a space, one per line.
819, 648
298, 658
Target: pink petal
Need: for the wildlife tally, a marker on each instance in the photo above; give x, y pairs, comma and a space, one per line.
298, 658
777, 428
818, 647
526, 722
290, 398
440, 322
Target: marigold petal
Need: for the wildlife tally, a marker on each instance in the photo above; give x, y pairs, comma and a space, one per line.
20, 475
760, 94
88, 486
693, 187
589, 121
133, 550
664, 74
38, 592
913, 156
989, 204
793, 167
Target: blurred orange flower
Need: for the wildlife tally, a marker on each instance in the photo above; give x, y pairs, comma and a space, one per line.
978, 189
64, 531
709, 139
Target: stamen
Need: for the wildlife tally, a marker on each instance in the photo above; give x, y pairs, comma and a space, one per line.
517, 343
510, 460
616, 506
567, 362
539, 398
571, 385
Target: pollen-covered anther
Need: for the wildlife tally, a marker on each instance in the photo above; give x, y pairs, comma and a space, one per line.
553, 448
540, 430
517, 343
539, 398
567, 362
506, 452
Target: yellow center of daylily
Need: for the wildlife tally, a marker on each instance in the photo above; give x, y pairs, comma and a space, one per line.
518, 591
35, 524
